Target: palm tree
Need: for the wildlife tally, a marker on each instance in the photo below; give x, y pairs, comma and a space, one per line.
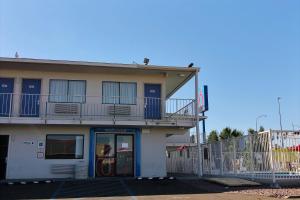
236, 133
229, 133
251, 131
225, 133
261, 129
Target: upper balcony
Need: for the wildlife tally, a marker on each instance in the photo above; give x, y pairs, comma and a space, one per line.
96, 110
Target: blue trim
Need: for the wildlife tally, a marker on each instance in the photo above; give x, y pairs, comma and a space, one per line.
137, 144
92, 153
205, 91
118, 130
138, 152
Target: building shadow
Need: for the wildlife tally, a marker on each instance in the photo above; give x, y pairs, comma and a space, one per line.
114, 187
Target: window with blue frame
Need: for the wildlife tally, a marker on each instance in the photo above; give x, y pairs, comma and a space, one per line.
119, 92
72, 91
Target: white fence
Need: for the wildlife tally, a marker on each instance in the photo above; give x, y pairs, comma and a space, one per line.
272, 155
184, 162
267, 155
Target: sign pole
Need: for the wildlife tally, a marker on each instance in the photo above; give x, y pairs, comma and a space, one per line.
203, 126
197, 125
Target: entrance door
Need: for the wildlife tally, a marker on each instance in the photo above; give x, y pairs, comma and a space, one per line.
114, 155
6, 96
31, 90
105, 155
152, 101
3, 155
124, 157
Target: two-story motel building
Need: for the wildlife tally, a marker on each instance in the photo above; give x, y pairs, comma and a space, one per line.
111, 118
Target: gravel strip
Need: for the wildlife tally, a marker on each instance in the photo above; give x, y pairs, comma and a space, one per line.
277, 193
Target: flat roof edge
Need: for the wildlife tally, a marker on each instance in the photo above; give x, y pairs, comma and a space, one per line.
98, 64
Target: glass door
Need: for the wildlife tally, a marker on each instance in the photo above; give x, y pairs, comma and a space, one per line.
114, 154
124, 155
105, 155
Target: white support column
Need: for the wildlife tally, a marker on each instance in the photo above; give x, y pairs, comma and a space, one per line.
197, 125
16, 102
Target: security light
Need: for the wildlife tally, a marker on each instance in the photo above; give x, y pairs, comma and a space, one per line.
146, 61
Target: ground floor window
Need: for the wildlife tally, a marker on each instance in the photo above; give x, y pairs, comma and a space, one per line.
64, 146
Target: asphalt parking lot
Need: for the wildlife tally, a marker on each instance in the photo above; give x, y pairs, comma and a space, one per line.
118, 188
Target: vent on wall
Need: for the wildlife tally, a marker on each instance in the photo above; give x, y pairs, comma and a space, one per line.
66, 108
119, 110
63, 169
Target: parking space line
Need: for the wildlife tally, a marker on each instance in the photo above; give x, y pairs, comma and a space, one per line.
133, 197
57, 190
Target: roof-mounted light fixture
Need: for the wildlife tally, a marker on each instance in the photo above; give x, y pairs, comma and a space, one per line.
146, 61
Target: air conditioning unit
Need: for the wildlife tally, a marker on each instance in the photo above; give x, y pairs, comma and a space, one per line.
119, 110
66, 108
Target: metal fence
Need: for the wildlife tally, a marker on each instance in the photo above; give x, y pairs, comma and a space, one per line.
271, 155
267, 155
95, 107
182, 162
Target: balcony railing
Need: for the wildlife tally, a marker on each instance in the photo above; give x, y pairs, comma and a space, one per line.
95, 107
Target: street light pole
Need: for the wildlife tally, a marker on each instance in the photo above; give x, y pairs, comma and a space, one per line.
279, 111
257, 118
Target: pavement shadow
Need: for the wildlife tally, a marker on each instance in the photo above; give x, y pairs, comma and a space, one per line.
112, 188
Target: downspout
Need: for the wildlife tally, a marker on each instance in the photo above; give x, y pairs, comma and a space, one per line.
197, 124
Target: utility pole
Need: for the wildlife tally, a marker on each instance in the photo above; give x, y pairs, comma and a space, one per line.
279, 111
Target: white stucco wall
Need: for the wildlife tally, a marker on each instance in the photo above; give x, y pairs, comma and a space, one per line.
23, 162
185, 138
153, 153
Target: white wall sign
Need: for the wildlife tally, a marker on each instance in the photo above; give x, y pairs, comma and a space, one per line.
40, 155
28, 142
124, 145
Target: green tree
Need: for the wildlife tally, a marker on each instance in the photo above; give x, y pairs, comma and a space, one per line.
229, 133
236, 133
251, 131
213, 136
225, 133
261, 129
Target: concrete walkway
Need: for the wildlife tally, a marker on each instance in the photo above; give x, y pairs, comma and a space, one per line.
231, 182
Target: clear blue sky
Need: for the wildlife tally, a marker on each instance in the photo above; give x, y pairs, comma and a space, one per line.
248, 51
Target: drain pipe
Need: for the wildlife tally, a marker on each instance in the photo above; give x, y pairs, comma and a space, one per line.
197, 124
